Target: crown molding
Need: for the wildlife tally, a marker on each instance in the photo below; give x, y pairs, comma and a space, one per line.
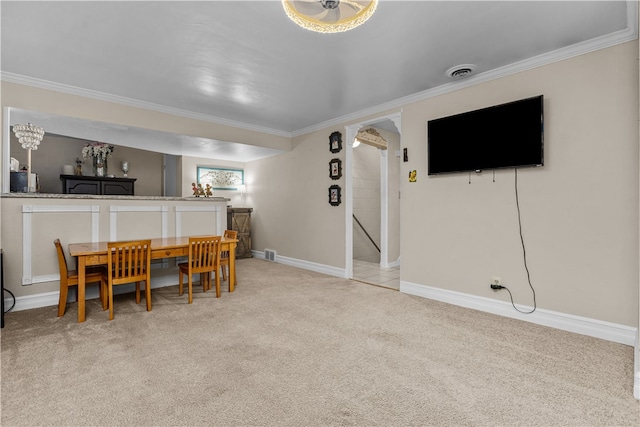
612, 39
116, 99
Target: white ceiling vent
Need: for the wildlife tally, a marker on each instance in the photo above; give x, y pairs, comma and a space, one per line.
461, 71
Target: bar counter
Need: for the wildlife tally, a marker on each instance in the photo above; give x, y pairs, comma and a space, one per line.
109, 197
32, 221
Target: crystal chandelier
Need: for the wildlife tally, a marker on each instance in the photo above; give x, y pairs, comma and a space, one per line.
329, 16
28, 135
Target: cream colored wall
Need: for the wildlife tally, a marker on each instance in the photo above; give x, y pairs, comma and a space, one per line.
31, 98
579, 211
56, 151
290, 197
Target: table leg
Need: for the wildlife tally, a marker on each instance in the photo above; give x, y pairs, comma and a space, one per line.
232, 267
81, 287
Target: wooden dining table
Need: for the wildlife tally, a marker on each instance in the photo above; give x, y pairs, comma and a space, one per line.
95, 253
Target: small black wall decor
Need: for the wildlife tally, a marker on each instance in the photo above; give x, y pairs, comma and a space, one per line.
335, 196
335, 142
335, 169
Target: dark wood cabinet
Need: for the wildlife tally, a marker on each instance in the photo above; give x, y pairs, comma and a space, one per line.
239, 219
73, 184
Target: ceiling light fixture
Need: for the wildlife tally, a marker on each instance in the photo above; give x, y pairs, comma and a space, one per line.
29, 137
329, 16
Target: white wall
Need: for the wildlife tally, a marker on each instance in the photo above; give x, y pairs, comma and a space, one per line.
394, 181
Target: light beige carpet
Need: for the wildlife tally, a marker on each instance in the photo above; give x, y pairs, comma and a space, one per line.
295, 348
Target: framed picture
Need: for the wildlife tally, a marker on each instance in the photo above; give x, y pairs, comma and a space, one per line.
335, 169
220, 179
335, 196
335, 142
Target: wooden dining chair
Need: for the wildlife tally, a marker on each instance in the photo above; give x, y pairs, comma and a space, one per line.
224, 258
129, 262
204, 258
70, 278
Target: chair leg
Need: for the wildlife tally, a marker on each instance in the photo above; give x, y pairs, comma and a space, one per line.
110, 301
235, 281
137, 292
103, 294
147, 293
180, 283
190, 288
203, 282
62, 302
217, 285
224, 273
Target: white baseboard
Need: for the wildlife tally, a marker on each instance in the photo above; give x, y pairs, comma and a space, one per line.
305, 265
636, 368
567, 322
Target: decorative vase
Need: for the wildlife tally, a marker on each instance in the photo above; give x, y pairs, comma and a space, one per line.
99, 166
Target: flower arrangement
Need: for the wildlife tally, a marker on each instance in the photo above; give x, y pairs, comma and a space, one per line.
97, 150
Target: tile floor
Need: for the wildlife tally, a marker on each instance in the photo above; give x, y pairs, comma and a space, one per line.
373, 274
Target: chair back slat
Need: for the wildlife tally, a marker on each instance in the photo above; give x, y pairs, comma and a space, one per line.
128, 261
204, 253
228, 234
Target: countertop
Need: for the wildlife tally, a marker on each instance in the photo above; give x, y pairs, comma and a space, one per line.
109, 197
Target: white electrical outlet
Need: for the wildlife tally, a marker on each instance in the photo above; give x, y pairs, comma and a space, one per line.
496, 280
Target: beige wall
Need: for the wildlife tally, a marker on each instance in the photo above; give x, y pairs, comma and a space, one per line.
47, 101
290, 197
579, 211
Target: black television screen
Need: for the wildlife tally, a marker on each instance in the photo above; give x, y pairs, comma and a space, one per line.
503, 136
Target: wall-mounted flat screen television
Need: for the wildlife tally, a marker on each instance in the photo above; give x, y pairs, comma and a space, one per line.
503, 136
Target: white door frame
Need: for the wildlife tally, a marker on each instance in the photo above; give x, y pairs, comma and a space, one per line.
351, 131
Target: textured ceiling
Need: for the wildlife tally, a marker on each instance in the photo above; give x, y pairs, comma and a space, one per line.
244, 63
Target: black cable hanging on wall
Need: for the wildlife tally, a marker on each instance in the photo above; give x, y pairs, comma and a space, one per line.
524, 253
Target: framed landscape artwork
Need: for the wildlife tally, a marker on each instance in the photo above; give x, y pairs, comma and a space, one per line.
220, 178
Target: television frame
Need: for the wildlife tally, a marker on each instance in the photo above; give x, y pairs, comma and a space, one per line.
492, 112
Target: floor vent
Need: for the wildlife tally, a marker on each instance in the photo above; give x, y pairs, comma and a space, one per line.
269, 254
